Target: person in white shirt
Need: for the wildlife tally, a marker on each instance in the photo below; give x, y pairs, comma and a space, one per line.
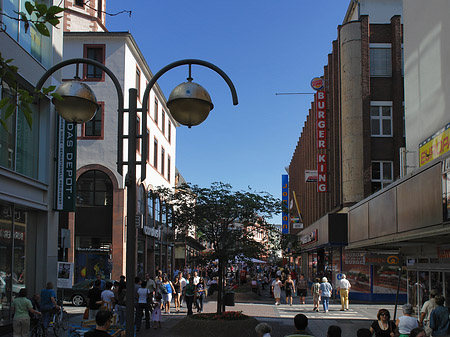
276, 289
196, 278
108, 297
143, 305
343, 288
183, 284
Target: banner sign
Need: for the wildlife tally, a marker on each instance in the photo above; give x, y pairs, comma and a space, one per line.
65, 274
66, 166
309, 238
435, 146
383, 259
285, 203
321, 117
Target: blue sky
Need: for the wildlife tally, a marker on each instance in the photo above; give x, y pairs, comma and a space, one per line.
265, 47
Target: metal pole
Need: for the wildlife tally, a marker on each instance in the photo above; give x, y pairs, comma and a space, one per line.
130, 182
398, 290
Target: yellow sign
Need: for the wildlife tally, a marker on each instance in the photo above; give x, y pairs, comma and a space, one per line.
435, 146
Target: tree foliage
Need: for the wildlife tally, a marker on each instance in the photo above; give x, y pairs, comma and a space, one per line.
38, 15
226, 220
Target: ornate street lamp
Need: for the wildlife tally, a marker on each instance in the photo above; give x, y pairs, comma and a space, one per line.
189, 104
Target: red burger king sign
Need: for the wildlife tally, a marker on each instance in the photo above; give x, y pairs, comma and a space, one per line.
317, 83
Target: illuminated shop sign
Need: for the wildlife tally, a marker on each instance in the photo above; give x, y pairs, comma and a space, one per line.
321, 118
285, 202
309, 238
435, 145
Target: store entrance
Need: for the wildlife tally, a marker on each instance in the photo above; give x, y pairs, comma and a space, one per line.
421, 282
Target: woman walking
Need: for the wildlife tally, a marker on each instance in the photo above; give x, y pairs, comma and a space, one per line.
144, 299
289, 287
167, 294
325, 293
302, 286
315, 291
21, 307
177, 293
406, 323
276, 289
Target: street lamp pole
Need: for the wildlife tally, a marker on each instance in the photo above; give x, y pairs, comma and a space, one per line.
195, 102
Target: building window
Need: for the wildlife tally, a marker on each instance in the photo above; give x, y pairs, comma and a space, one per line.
163, 154
155, 154
382, 174
94, 188
381, 119
163, 122
157, 211
150, 209
19, 145
168, 168
155, 112
380, 60
169, 131
138, 82
97, 53
79, 3
138, 128
93, 129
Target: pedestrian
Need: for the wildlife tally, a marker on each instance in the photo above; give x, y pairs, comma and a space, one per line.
301, 324
334, 331
325, 293
107, 297
151, 285
94, 299
48, 304
177, 293
143, 305
406, 322
427, 308
383, 326
289, 287
156, 314
315, 291
276, 289
183, 284
343, 289
363, 333
167, 290
103, 323
418, 332
121, 303
302, 286
196, 278
439, 318
102, 282
263, 330
200, 294
21, 308
189, 295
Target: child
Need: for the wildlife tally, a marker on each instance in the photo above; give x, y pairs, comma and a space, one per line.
156, 314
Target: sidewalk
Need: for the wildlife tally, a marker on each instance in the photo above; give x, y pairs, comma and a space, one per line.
280, 318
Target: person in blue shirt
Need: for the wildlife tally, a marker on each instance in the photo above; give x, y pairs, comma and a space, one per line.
325, 293
102, 282
439, 318
48, 303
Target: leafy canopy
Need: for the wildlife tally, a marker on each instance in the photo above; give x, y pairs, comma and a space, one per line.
226, 220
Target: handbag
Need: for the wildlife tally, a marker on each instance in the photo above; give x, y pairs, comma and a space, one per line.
86, 313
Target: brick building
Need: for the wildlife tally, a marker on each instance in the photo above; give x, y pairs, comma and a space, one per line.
364, 134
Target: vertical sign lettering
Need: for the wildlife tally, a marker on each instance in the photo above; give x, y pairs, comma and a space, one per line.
66, 166
321, 116
285, 203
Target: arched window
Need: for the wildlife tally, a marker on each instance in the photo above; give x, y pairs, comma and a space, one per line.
94, 188
150, 209
157, 211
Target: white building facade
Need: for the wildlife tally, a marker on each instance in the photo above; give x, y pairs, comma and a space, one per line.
99, 222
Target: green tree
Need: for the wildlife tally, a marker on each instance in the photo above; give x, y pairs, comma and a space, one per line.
226, 220
38, 15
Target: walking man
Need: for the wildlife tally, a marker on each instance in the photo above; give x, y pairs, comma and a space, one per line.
343, 288
425, 313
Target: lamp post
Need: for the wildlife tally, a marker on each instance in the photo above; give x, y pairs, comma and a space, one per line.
189, 104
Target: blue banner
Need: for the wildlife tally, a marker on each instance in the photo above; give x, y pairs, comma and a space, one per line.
285, 203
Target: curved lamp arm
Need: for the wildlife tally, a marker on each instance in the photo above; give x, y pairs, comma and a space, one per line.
120, 107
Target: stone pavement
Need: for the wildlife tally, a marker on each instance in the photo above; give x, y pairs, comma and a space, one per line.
279, 317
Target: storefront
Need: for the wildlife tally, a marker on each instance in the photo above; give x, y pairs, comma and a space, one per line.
322, 246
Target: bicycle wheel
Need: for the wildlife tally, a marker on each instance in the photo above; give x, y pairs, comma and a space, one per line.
57, 324
65, 321
38, 331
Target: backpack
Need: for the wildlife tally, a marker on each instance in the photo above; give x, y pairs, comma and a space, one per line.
316, 288
163, 289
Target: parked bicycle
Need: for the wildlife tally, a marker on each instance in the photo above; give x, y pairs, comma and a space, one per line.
60, 320
38, 327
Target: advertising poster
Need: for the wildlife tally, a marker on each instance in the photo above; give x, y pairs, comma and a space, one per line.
357, 272
65, 274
